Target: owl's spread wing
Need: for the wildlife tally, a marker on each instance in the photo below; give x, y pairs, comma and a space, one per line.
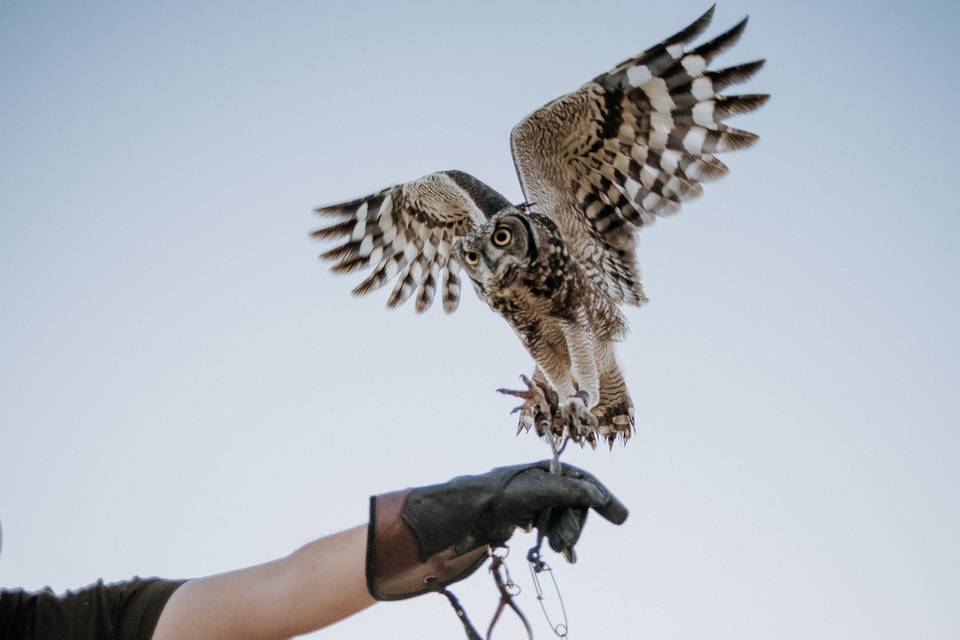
633, 143
406, 232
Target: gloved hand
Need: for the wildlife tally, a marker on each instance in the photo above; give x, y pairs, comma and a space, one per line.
424, 539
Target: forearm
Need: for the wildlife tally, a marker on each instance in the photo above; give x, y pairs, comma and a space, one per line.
328, 579
316, 585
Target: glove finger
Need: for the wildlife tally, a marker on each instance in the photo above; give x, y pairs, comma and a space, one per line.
611, 508
564, 528
542, 489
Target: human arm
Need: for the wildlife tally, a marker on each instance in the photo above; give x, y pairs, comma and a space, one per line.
418, 540
315, 586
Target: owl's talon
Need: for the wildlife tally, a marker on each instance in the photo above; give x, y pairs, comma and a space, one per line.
592, 440
580, 421
539, 406
524, 423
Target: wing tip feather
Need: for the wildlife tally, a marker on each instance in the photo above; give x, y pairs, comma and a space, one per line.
345, 250
737, 139
333, 210
692, 30
350, 265
712, 48
729, 106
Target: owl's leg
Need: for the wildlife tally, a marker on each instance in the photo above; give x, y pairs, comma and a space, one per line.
584, 373
615, 410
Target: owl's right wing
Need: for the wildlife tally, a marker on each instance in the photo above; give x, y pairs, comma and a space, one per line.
632, 144
406, 232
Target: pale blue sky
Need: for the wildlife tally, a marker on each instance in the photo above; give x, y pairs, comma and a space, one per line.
184, 389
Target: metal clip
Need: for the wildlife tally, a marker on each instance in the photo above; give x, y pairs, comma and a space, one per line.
538, 566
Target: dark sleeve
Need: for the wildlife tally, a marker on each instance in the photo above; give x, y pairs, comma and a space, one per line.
119, 611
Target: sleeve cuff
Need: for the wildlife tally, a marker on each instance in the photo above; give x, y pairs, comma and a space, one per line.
394, 569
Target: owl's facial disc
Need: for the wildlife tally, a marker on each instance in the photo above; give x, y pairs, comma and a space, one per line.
493, 252
510, 234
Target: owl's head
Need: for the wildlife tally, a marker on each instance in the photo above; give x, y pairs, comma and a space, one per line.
494, 251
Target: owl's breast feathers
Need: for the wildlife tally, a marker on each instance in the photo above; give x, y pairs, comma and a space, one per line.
551, 288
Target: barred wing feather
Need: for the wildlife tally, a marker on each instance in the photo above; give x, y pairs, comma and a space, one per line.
632, 144
405, 233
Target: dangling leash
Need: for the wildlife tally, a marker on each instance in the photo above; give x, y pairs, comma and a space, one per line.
462, 614
507, 588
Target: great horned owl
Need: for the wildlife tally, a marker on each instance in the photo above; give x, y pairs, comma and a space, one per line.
594, 165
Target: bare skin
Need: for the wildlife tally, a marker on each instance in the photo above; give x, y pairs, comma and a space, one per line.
315, 586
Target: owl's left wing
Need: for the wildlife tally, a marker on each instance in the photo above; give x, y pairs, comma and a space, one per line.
633, 143
406, 232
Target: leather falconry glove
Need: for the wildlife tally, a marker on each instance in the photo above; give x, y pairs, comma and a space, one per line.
423, 539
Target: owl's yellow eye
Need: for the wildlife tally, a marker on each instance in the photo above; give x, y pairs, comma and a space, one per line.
472, 257
502, 237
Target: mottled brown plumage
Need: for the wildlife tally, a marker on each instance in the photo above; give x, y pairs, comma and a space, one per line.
595, 165
566, 323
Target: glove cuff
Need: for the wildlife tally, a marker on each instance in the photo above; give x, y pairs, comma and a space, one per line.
394, 567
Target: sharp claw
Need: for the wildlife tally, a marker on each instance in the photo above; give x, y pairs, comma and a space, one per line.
543, 411
592, 440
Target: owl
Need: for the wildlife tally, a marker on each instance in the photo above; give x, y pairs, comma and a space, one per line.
595, 166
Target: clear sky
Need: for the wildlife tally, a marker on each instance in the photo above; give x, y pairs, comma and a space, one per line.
184, 389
